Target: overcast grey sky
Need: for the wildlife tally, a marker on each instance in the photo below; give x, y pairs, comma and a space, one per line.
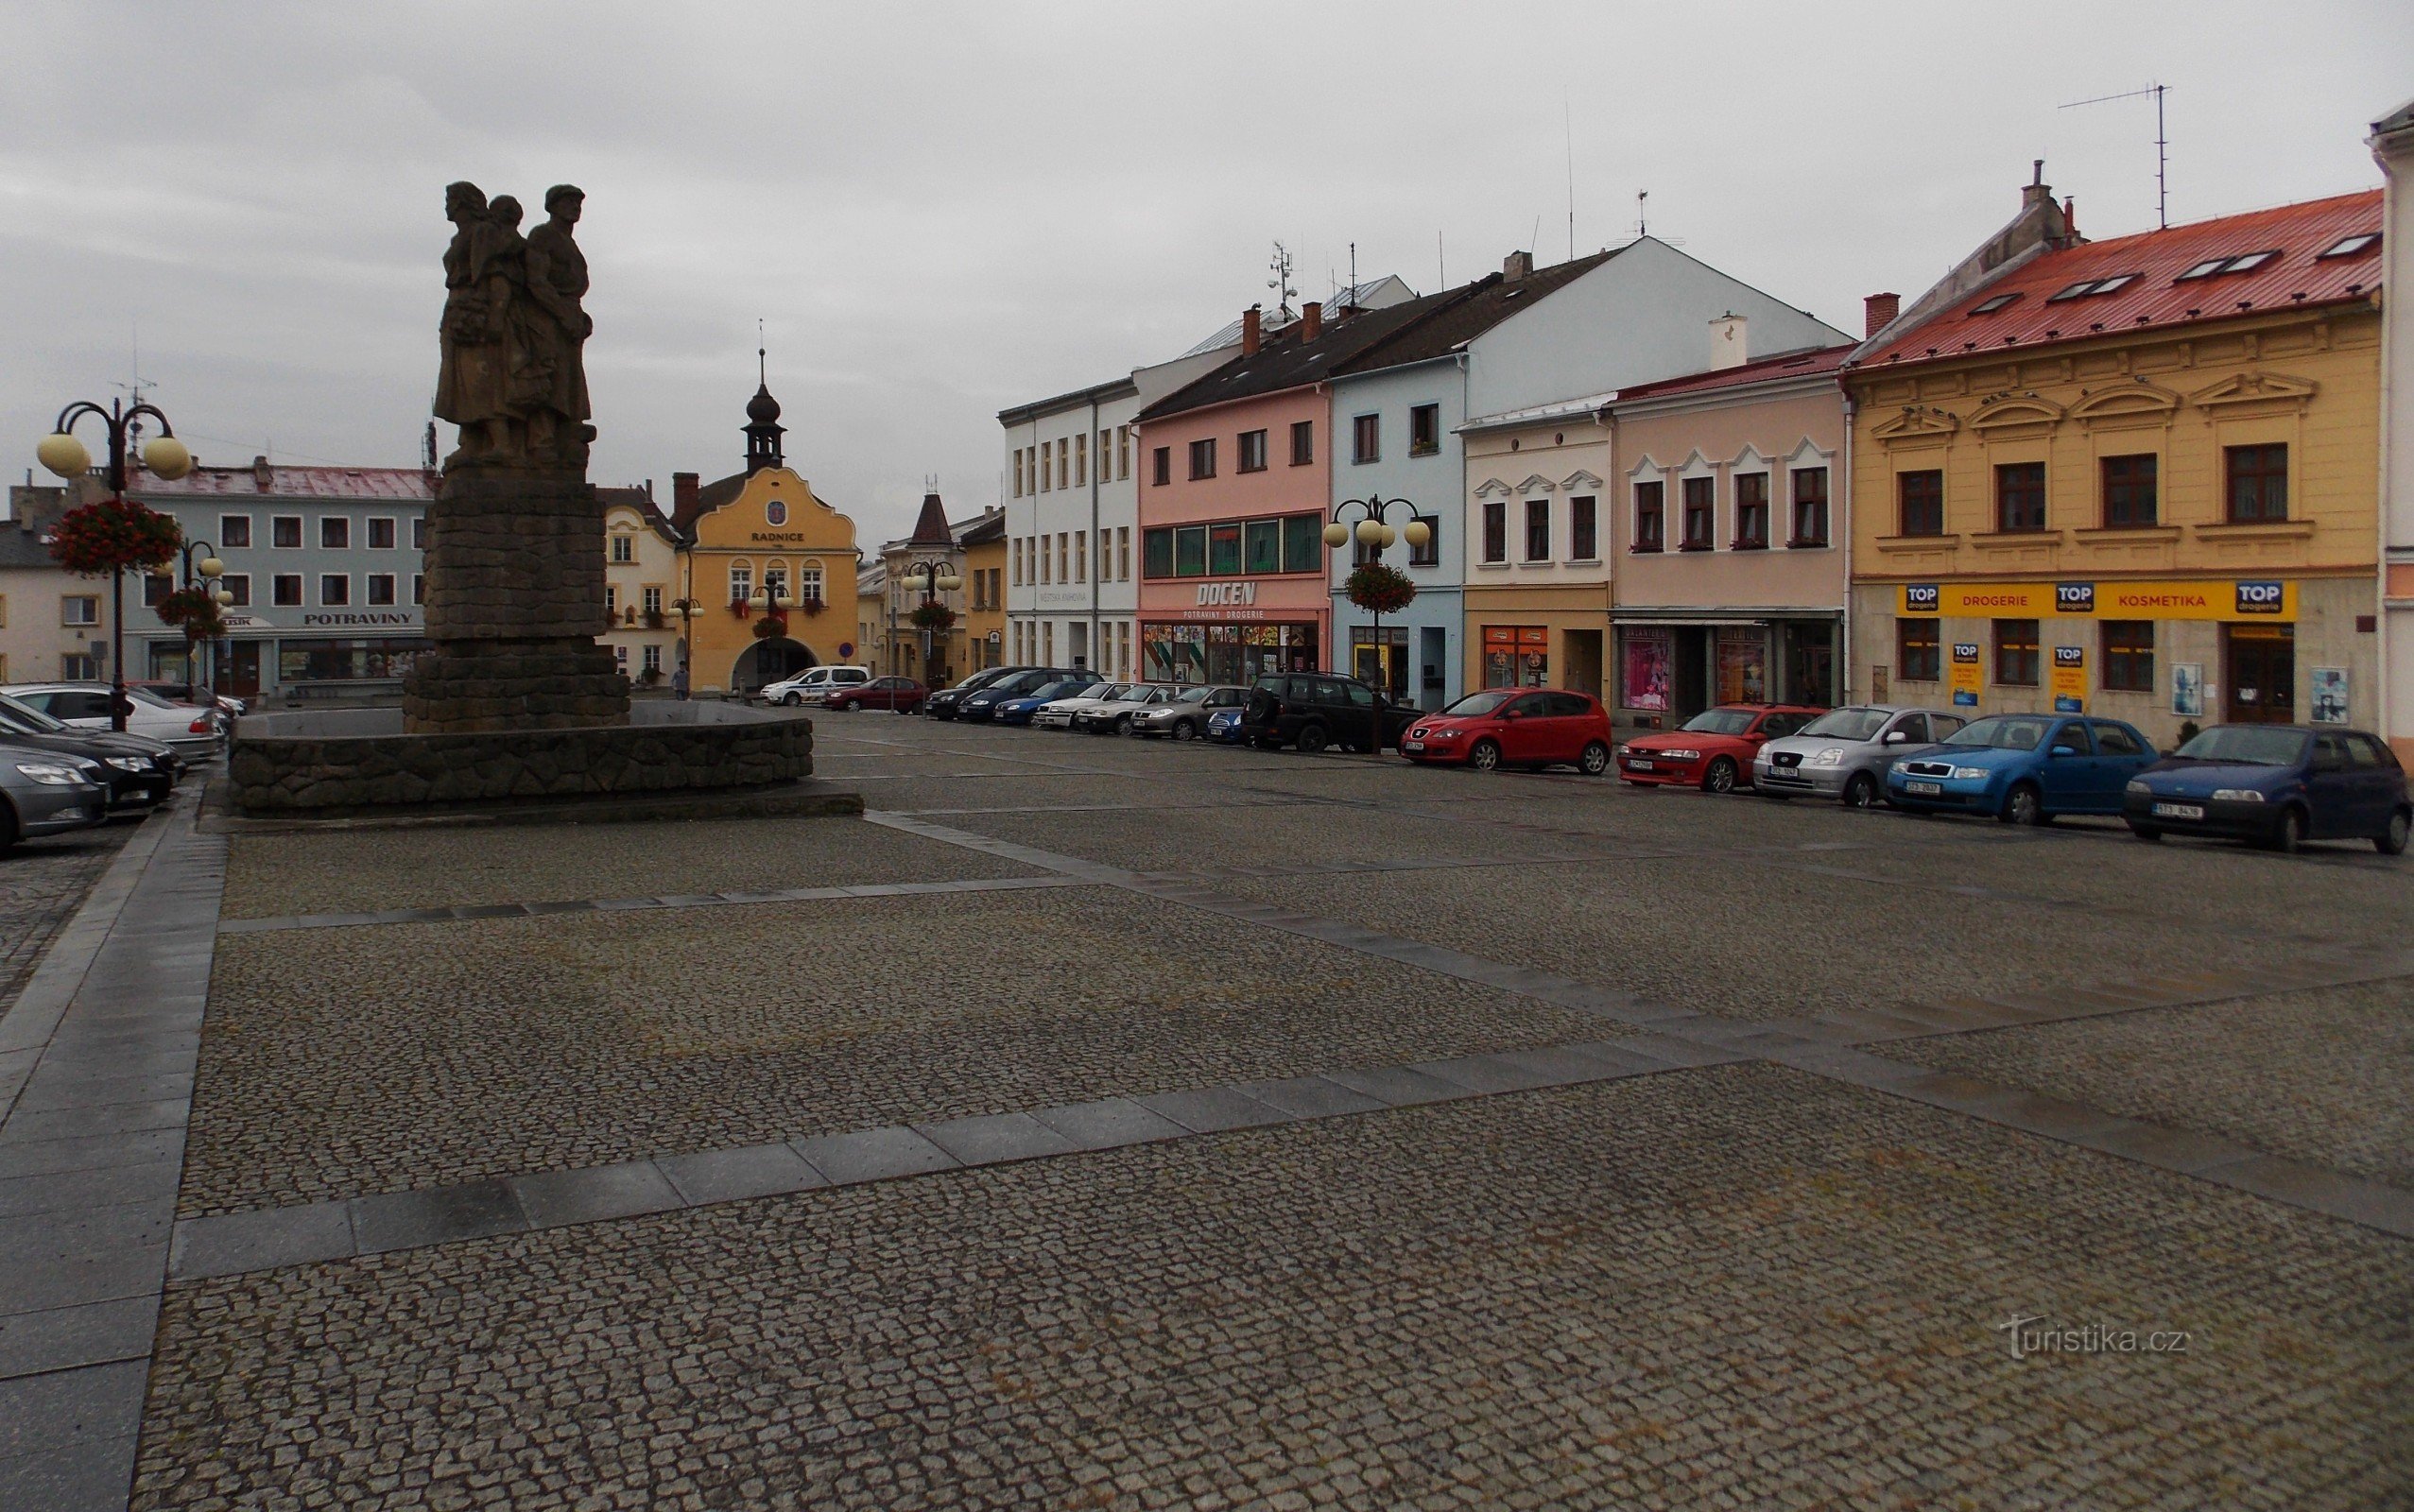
941, 210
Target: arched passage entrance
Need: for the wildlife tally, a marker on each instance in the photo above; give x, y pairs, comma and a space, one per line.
769, 660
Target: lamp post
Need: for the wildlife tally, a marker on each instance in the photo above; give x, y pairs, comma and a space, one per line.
162, 454
212, 571
1375, 531
937, 577
770, 593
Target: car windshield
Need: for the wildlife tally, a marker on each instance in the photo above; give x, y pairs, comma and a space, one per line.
22, 716
1721, 722
1066, 689
2248, 745
2004, 732
1476, 705
1137, 693
981, 680
1849, 723
146, 696
1193, 694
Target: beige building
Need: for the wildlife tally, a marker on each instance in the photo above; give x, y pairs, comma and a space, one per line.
52, 623
1537, 599
640, 586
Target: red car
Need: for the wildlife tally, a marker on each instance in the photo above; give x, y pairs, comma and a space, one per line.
1513, 727
899, 694
1713, 749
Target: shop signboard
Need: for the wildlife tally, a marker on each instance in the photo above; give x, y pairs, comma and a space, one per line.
1966, 683
2070, 679
2212, 598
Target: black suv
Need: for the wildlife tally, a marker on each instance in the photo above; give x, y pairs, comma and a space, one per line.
1313, 709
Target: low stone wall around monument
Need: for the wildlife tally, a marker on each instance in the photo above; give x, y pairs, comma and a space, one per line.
338, 761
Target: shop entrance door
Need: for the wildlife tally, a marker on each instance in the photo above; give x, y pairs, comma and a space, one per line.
1583, 656
1690, 693
2263, 674
241, 668
1810, 664
1383, 664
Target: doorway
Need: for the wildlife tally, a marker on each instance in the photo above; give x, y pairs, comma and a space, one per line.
1383, 662
1810, 664
2262, 669
1581, 651
1431, 650
770, 661
1690, 693
241, 669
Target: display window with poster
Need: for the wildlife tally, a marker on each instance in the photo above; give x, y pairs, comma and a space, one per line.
1743, 665
1644, 669
1225, 653
1517, 655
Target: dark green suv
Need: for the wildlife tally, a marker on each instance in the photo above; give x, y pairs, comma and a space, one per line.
1313, 709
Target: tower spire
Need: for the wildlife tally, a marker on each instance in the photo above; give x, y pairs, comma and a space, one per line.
763, 427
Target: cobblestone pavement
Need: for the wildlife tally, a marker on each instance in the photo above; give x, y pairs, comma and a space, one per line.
1742, 1284
42, 885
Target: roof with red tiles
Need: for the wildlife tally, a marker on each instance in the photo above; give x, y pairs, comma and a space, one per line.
291, 483
1810, 362
2186, 275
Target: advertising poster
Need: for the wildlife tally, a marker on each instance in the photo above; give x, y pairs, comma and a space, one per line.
2187, 689
1646, 672
1965, 677
2070, 679
2330, 695
1743, 666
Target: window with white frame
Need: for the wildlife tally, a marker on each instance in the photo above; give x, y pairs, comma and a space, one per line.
741, 581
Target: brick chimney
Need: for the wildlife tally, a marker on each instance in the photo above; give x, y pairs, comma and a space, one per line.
683, 495
1311, 320
1728, 347
1878, 311
1516, 266
1253, 332
264, 477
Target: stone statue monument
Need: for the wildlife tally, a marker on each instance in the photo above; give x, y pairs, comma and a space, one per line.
515, 541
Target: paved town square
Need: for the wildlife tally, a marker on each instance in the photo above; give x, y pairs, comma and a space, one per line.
1104, 1123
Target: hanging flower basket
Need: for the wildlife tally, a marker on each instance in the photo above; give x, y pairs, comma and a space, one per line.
197, 610
1379, 589
811, 606
771, 625
100, 538
932, 616
741, 608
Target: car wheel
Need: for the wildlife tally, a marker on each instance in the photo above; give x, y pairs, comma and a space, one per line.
2391, 841
2023, 805
2288, 836
8, 825
1595, 759
1313, 738
2145, 831
1122, 726
1720, 777
1861, 792
1184, 730
854, 706
793, 699
1484, 756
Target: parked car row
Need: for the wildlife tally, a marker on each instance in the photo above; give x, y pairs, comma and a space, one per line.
197, 731
55, 776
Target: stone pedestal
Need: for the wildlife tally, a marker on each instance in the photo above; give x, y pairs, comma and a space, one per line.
515, 599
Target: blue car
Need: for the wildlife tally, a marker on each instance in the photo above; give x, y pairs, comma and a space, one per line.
1019, 709
1223, 727
2277, 784
2024, 768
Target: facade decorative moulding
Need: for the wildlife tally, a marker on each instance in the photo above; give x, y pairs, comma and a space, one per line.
1494, 488
1536, 483
2006, 411
1646, 468
2137, 402
1580, 480
2280, 391
1750, 459
1918, 422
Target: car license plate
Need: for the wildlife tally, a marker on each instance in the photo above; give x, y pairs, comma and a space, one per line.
1634, 765
1925, 789
2179, 811
1412, 745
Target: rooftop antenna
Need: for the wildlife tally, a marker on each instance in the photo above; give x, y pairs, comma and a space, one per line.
762, 361
1567, 115
1354, 275
1441, 269
1642, 219
1280, 265
2162, 146
134, 389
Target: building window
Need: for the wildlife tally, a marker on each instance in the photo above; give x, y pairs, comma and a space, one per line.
1202, 457
1919, 653
2016, 653
335, 588
611, 601
234, 532
381, 588
1810, 506
1157, 553
1253, 451
1651, 516
2258, 483
1302, 442
2129, 656
1018, 471
1701, 513
238, 588
78, 666
1190, 551
2020, 497
652, 659
1123, 554
1919, 497
1223, 551
1424, 430
419, 588
1428, 554
1365, 438
1537, 530
285, 532
1122, 452
1495, 530
1262, 546
654, 599
623, 548
1081, 459
79, 610
381, 532
741, 582
335, 532
1752, 512
1081, 557
419, 532
1161, 464
1064, 556
1303, 543
156, 586
284, 590
2131, 492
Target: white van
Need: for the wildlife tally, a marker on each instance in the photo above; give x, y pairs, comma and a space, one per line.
809, 685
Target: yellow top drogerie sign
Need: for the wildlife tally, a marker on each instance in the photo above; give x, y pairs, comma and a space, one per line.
2210, 598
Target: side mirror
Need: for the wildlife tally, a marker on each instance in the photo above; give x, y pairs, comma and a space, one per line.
2065, 750
1896, 737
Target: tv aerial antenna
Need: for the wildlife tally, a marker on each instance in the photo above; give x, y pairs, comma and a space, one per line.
1280, 265
2162, 146
1642, 219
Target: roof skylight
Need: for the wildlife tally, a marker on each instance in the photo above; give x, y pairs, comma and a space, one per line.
2363, 241
2234, 263
2086, 287
1998, 302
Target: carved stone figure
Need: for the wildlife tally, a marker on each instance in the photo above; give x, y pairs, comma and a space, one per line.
512, 375
472, 378
558, 328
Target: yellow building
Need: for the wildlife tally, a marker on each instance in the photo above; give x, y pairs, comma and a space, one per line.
984, 547
642, 577
2137, 477
755, 532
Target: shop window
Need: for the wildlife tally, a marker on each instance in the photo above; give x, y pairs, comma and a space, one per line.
1253, 451
1190, 552
285, 532
284, 590
1651, 516
2131, 490
1810, 506
1537, 530
1752, 512
1303, 543
1919, 497
1424, 430
1202, 457
1918, 650
2020, 497
1161, 466
381, 533
1365, 438
1223, 551
2258, 483
1583, 529
1302, 442
1261, 548
1517, 655
2129, 656
2016, 653
234, 532
1428, 554
1495, 530
1701, 511
334, 533
1646, 658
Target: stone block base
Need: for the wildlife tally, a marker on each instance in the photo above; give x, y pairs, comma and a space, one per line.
486, 686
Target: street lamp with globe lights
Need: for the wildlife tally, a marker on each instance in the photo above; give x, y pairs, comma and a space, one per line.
1374, 530
163, 456
937, 577
212, 572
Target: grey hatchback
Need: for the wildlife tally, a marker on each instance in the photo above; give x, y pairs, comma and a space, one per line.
1843, 753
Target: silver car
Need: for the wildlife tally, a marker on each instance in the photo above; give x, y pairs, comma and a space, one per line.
1112, 716
196, 734
44, 792
1059, 713
1843, 753
1185, 715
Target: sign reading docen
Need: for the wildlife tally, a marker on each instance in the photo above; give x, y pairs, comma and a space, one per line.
2212, 598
